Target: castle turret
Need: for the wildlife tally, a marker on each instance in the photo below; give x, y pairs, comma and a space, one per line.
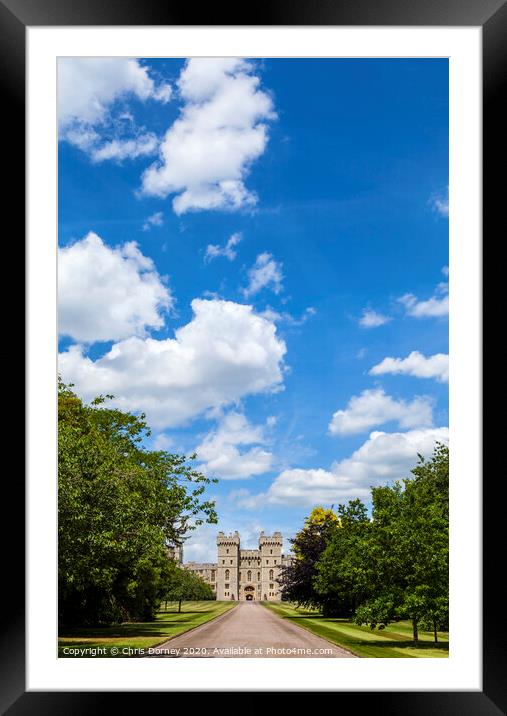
270, 548
227, 568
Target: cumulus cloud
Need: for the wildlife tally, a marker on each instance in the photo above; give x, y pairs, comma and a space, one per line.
207, 152
265, 273
201, 544
384, 457
223, 354
107, 293
416, 364
162, 442
372, 319
435, 307
213, 251
88, 88
156, 219
374, 407
221, 455
81, 136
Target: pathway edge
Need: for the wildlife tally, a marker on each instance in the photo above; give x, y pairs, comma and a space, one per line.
349, 651
187, 631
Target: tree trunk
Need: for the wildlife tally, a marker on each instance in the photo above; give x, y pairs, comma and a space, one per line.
165, 609
179, 606
435, 632
416, 633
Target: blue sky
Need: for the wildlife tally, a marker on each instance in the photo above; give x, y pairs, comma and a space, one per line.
255, 254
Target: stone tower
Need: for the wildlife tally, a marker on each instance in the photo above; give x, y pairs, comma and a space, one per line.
271, 559
244, 575
227, 566
175, 552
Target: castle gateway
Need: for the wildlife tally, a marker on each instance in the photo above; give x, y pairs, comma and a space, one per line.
244, 574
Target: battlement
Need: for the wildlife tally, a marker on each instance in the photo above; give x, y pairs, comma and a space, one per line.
274, 539
231, 540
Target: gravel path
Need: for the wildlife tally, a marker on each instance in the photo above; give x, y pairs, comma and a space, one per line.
249, 631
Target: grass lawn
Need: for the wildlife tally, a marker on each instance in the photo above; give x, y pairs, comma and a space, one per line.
394, 641
167, 624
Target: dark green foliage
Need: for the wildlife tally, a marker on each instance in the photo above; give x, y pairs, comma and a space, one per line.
181, 584
392, 567
409, 568
119, 505
296, 580
341, 577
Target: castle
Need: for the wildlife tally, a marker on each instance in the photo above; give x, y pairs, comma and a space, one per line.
244, 574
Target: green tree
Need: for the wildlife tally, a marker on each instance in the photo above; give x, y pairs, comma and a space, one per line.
296, 579
408, 549
183, 585
341, 579
426, 516
119, 505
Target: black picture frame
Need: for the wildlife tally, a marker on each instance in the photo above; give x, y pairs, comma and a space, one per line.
491, 15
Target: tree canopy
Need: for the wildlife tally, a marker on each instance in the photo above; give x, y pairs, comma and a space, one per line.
391, 566
119, 506
181, 584
296, 579
409, 550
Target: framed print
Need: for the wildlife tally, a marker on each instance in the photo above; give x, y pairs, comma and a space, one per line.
254, 370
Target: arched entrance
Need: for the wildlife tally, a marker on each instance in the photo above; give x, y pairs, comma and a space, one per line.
249, 593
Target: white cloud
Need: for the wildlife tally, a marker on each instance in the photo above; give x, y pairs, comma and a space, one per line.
108, 293
117, 149
162, 442
162, 93
207, 152
224, 353
374, 407
120, 149
88, 88
156, 219
373, 319
213, 251
288, 318
384, 457
201, 545
440, 203
416, 364
228, 194
221, 456
265, 273
81, 136
435, 307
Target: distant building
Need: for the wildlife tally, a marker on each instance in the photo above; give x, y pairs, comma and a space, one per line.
175, 553
244, 574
